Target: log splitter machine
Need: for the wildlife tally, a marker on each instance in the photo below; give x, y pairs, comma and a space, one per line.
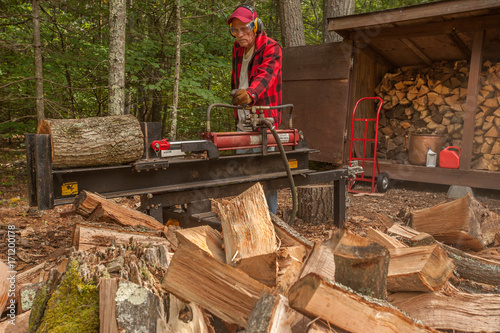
187, 174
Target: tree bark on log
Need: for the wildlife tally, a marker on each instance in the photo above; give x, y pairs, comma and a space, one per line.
98, 208
362, 265
315, 203
95, 141
315, 296
269, 315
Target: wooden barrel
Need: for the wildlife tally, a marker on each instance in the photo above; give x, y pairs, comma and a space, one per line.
96, 141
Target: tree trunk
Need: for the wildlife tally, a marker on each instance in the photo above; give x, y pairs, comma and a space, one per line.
315, 203
173, 126
94, 141
292, 27
335, 8
37, 44
117, 18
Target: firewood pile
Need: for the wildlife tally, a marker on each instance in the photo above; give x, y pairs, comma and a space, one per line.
126, 273
432, 100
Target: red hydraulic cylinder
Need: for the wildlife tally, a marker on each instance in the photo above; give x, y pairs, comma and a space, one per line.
245, 140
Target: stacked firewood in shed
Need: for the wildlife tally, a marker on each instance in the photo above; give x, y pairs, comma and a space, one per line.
432, 100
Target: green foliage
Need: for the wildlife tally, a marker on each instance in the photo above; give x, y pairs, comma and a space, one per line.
73, 307
75, 46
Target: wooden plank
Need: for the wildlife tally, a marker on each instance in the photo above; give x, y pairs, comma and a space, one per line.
328, 82
461, 25
417, 51
415, 173
318, 297
43, 161
395, 15
462, 312
476, 63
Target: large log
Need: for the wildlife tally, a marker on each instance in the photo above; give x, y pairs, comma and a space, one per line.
94, 141
315, 296
98, 208
198, 273
461, 311
249, 238
464, 222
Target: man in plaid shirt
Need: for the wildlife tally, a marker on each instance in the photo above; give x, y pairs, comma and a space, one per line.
256, 71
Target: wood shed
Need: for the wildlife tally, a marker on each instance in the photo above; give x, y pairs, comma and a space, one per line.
407, 47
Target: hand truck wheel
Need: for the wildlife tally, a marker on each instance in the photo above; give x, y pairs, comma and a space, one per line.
383, 182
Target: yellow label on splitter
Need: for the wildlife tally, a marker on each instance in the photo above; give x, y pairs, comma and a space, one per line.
293, 164
69, 188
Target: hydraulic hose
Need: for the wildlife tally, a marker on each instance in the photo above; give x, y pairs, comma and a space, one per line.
269, 125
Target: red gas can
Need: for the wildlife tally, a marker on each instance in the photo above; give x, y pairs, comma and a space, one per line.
449, 157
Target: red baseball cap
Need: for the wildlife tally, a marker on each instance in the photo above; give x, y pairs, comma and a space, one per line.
243, 14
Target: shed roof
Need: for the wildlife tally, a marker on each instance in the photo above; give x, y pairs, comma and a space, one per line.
425, 33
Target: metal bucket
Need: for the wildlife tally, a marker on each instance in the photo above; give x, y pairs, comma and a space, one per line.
420, 144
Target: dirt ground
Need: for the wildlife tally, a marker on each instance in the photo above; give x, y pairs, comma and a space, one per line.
45, 236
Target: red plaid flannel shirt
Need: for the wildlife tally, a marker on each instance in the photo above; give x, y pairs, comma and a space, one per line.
264, 74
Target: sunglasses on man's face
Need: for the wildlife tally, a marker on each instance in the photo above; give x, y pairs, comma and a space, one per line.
244, 29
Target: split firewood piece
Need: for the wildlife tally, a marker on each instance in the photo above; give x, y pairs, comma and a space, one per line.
321, 260
464, 222
249, 238
475, 268
422, 268
198, 273
269, 315
315, 296
462, 312
86, 237
362, 265
107, 305
5, 284
186, 317
98, 208
290, 262
383, 239
289, 236
402, 231
19, 325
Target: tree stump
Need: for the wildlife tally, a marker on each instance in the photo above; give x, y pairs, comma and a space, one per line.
315, 203
95, 141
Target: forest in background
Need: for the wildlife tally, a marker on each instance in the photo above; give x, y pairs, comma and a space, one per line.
75, 45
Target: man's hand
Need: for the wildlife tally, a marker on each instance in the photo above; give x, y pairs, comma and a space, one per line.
242, 97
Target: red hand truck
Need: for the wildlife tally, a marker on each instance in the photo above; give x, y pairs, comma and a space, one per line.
382, 183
